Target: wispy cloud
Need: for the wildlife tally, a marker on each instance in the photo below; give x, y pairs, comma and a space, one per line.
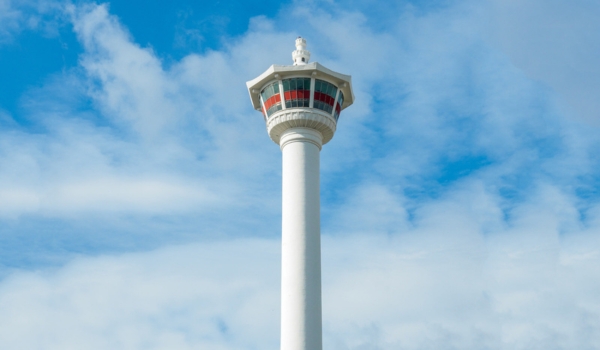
115, 302
441, 284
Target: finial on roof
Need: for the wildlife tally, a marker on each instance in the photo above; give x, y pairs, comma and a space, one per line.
301, 55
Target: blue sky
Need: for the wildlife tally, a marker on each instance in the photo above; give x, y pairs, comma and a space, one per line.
140, 193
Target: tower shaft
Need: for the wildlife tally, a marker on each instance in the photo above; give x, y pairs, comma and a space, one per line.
301, 241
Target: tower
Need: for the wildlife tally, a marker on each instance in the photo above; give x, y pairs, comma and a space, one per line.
301, 105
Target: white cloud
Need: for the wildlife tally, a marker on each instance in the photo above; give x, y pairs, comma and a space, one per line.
554, 42
9, 20
132, 84
459, 280
44, 16
159, 141
463, 267
442, 284
180, 297
428, 89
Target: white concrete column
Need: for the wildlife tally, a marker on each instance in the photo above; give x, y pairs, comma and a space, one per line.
301, 241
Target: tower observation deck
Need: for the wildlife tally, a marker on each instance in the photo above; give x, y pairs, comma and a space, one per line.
301, 105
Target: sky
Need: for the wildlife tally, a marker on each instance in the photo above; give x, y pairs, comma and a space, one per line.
140, 195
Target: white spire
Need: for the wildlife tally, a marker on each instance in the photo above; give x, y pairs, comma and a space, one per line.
301, 55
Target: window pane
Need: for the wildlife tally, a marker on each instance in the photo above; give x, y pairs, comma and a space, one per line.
286, 85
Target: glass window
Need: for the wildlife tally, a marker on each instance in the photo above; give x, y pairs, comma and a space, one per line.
296, 92
338, 106
324, 95
271, 98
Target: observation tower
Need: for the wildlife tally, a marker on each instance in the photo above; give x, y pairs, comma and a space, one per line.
301, 105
